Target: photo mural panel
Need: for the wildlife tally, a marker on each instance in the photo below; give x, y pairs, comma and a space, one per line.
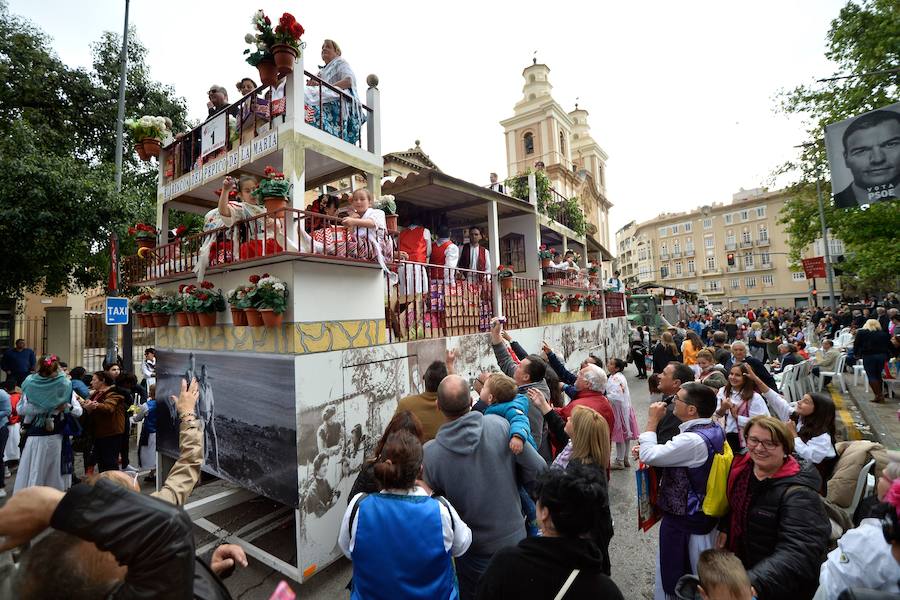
247, 411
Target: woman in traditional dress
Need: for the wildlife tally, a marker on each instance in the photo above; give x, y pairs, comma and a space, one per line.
46, 407
625, 427
339, 114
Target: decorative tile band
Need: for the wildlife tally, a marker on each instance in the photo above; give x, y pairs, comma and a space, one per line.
559, 318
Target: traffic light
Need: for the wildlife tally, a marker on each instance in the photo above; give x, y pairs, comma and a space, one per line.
731, 259
815, 292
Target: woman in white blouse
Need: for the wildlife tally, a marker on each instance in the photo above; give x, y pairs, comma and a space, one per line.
814, 431
738, 403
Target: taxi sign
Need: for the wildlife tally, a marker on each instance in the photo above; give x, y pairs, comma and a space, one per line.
116, 311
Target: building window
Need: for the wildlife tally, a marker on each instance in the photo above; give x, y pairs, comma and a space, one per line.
768, 280
529, 143
689, 245
663, 231
748, 259
678, 268
688, 227
674, 229
745, 237
750, 282
735, 283
708, 242
512, 251
760, 212
714, 285
664, 272
676, 247
642, 254
663, 251
707, 223
729, 237
690, 266
763, 233
562, 144
764, 258
729, 219
710, 262
798, 276
745, 215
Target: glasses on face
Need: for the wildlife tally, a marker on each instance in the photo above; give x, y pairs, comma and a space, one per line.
753, 442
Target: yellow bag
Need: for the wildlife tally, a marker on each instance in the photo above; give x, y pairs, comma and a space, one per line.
715, 504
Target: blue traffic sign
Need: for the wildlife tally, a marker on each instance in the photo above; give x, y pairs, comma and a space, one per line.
117, 311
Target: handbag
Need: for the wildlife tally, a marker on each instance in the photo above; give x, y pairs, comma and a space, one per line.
715, 503
647, 488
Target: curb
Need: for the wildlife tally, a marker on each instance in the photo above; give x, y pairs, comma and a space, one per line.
882, 433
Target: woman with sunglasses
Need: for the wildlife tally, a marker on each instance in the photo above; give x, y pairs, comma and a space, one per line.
777, 525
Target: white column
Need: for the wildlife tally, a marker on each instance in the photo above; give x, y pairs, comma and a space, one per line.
532, 189
294, 86
373, 131
494, 244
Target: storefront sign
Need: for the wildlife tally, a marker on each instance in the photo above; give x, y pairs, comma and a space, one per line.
814, 267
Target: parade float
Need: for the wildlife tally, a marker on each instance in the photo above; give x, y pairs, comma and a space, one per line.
291, 405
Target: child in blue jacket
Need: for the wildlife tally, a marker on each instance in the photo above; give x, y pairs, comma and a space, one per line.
503, 397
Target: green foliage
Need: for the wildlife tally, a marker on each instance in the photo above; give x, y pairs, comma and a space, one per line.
518, 188
575, 216
58, 205
864, 38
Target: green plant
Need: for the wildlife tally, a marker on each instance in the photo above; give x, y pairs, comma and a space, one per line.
551, 299
273, 185
388, 205
592, 300
544, 252
205, 298
518, 187
271, 293
593, 269
140, 302
240, 297
143, 231
262, 39
574, 215
504, 272
147, 126
575, 299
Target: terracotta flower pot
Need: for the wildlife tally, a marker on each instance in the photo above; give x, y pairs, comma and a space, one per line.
270, 319
146, 243
391, 222
573, 307
161, 319
275, 204
551, 308
238, 317
183, 318
206, 319
268, 72
193, 320
254, 319
545, 262
284, 56
139, 148
151, 147
506, 283
142, 319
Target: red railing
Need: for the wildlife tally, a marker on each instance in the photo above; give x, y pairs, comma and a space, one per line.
251, 116
430, 301
344, 117
520, 303
285, 232
569, 278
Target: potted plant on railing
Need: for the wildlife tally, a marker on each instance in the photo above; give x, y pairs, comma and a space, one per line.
261, 55
144, 235
593, 273
546, 256
552, 301
389, 206
592, 302
179, 307
254, 319
163, 309
575, 301
287, 43
139, 307
271, 300
505, 275
148, 132
239, 302
205, 301
273, 190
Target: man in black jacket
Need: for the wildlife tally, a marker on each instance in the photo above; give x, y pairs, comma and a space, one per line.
109, 542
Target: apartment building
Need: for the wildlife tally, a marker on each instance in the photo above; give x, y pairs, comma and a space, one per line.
730, 254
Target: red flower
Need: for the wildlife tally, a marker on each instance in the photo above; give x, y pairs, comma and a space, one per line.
131, 231
269, 170
268, 21
264, 275
181, 288
297, 30
203, 296
254, 279
189, 289
207, 285
180, 230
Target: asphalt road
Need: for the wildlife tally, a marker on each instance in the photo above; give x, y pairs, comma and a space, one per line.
633, 552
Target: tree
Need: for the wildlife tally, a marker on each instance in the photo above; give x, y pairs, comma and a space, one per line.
57, 151
864, 41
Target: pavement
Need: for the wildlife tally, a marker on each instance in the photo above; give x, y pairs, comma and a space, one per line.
883, 419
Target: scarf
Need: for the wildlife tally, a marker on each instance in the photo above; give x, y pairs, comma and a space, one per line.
562, 459
739, 499
46, 393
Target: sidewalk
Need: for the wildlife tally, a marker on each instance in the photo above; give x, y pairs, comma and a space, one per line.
882, 418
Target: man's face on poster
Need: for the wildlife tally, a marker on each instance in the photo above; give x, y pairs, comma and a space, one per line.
873, 154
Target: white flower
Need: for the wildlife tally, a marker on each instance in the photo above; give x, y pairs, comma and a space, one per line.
279, 286
261, 46
250, 38
230, 293
257, 17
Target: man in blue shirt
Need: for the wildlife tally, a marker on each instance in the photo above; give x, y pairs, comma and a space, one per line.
18, 362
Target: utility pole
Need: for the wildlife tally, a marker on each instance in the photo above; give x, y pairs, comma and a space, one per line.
111, 330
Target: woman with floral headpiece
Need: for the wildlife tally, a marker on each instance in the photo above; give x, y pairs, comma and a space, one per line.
47, 408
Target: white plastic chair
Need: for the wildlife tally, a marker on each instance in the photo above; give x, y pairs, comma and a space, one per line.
788, 379
803, 382
862, 482
858, 369
837, 374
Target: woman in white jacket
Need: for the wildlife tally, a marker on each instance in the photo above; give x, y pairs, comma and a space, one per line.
738, 403
814, 431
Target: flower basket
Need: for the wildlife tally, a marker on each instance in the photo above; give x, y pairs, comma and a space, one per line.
552, 301
546, 262
270, 318
507, 283
206, 319
193, 319
545, 254
284, 57
273, 190
205, 301
270, 293
551, 309
148, 243
254, 319
574, 306
268, 72
182, 318
139, 148
238, 317
505, 275
151, 146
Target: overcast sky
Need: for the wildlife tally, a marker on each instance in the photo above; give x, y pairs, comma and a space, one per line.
680, 95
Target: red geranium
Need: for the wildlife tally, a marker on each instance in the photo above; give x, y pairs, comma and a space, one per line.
131, 231
180, 230
207, 285
254, 279
181, 288
264, 275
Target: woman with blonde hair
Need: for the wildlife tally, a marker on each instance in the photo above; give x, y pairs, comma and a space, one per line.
665, 352
874, 347
586, 439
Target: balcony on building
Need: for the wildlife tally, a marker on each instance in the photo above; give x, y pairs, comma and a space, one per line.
664, 256
713, 271
688, 252
763, 242
734, 269
676, 254
746, 244
714, 291
730, 246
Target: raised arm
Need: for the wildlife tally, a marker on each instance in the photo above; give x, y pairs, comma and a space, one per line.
184, 474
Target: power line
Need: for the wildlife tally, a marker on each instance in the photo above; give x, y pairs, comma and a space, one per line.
839, 77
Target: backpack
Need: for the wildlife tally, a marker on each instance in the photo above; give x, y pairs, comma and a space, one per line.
715, 503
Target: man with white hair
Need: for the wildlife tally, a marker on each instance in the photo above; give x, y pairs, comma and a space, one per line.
739, 354
591, 383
